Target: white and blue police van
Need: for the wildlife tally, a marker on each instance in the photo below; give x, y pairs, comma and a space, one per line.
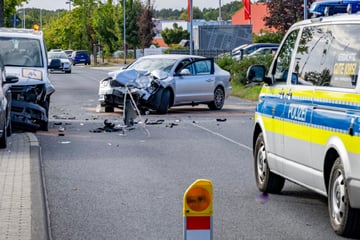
307, 120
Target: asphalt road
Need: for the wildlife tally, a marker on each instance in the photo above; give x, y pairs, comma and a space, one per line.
130, 184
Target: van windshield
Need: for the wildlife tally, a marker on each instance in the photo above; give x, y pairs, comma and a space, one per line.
21, 52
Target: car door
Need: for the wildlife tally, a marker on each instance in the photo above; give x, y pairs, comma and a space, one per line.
195, 82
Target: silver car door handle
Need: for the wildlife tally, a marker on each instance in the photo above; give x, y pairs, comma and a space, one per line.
210, 80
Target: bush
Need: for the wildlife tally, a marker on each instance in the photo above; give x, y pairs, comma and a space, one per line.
238, 69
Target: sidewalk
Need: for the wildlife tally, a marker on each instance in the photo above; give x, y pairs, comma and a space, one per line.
23, 212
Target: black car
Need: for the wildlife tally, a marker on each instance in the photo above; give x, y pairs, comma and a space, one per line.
5, 105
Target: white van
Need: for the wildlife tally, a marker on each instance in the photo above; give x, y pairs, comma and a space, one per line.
307, 121
25, 56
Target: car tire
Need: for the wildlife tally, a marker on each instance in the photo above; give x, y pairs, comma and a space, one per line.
344, 220
266, 181
165, 102
68, 71
3, 138
219, 99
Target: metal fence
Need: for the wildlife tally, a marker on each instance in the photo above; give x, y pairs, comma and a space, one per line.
214, 53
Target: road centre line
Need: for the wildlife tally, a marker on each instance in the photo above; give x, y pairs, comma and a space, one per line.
222, 136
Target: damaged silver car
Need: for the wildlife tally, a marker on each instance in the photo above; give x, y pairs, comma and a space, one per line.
25, 57
158, 82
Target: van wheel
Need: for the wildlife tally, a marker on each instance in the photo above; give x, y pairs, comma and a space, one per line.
9, 129
3, 139
219, 99
266, 181
344, 220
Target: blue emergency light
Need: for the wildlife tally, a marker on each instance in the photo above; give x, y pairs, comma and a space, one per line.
331, 7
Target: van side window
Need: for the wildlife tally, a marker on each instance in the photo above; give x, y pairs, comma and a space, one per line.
283, 60
327, 56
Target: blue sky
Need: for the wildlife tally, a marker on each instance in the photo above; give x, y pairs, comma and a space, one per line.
158, 4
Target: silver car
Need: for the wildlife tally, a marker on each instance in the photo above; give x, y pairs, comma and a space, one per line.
65, 65
185, 80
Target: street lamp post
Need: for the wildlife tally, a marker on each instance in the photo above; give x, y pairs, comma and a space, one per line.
70, 40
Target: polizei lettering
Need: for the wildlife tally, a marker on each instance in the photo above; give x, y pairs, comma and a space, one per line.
297, 112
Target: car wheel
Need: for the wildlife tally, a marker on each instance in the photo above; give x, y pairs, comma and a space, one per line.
3, 138
344, 220
68, 71
165, 102
219, 99
266, 181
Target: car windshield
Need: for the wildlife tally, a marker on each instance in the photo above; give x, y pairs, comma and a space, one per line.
57, 55
21, 52
150, 64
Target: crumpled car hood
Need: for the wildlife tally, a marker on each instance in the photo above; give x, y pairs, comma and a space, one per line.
137, 78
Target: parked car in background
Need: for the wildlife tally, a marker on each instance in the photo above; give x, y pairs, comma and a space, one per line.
80, 56
5, 104
185, 80
65, 65
262, 52
25, 56
68, 52
240, 52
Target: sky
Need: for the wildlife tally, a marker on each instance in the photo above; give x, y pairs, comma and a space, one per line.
158, 4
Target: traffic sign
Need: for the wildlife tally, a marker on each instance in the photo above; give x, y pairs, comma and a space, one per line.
14, 20
198, 210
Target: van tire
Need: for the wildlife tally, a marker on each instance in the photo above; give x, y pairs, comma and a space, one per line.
266, 181
343, 218
3, 138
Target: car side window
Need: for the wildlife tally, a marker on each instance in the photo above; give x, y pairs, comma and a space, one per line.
202, 67
328, 56
282, 62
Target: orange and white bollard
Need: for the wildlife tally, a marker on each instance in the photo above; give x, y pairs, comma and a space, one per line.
197, 211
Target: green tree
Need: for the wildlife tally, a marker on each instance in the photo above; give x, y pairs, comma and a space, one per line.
174, 35
7, 9
197, 14
284, 13
104, 22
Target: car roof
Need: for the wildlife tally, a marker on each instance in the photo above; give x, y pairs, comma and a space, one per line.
172, 56
17, 32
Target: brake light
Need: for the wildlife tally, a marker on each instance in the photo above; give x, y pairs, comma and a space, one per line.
230, 79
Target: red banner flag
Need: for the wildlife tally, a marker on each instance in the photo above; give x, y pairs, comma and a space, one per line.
247, 9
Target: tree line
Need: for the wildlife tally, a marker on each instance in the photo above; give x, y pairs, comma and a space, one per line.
94, 23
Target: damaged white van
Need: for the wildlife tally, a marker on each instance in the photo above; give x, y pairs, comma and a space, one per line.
25, 56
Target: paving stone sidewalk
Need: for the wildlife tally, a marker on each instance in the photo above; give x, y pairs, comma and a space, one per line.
23, 212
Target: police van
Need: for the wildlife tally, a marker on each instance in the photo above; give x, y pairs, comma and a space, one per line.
307, 120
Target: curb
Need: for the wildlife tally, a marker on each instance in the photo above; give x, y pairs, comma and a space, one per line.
40, 214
